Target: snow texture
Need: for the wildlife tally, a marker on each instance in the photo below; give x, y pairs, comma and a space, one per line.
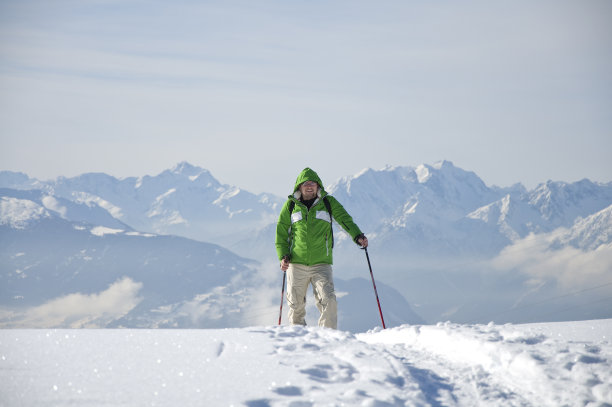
553, 364
19, 213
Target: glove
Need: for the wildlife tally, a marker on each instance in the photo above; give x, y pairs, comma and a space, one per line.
361, 240
284, 265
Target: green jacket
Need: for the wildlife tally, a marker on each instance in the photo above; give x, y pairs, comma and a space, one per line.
306, 235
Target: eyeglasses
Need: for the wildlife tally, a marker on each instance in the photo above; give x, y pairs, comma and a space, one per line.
309, 184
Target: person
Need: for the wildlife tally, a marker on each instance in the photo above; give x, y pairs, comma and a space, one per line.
304, 243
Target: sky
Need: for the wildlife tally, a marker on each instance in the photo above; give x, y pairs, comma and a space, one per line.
516, 91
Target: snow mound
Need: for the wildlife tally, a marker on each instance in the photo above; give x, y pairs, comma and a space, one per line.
447, 364
531, 364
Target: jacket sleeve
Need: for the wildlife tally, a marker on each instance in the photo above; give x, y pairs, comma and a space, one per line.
283, 227
343, 218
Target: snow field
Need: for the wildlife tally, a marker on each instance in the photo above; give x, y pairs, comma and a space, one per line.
529, 364
559, 364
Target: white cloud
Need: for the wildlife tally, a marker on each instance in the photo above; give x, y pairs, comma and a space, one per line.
248, 300
569, 266
78, 310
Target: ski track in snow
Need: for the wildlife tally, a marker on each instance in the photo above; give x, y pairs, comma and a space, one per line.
556, 364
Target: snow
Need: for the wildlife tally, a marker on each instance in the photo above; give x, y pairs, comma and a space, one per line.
140, 234
591, 232
19, 213
91, 199
103, 230
52, 204
549, 364
423, 173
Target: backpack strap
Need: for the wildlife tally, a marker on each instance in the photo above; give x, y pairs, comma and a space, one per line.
290, 209
331, 219
291, 206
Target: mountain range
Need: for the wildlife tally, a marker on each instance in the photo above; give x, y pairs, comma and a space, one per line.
182, 249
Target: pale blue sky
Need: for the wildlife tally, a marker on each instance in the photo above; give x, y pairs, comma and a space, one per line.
254, 91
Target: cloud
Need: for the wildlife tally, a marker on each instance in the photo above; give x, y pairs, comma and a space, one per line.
248, 300
78, 310
569, 266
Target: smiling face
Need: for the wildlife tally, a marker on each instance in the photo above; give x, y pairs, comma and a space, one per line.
309, 189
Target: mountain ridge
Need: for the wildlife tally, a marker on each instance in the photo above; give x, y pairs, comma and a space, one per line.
438, 233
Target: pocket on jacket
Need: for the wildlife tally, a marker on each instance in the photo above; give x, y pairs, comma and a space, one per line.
323, 215
296, 217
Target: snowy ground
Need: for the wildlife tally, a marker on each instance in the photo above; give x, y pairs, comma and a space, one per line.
555, 364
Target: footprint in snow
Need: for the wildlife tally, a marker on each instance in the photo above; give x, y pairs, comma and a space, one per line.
288, 391
329, 374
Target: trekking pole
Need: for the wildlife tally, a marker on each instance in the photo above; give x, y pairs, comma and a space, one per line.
282, 297
375, 291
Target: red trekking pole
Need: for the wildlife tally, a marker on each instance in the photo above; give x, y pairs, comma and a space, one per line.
282, 297
375, 291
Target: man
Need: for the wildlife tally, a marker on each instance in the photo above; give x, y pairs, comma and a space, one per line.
304, 242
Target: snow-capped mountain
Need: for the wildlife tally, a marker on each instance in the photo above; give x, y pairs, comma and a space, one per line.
444, 211
454, 246
511, 216
447, 242
560, 203
20, 213
439, 208
18, 180
396, 195
185, 200
589, 233
549, 206
21, 203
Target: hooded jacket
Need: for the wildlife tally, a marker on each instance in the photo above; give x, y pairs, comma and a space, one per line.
305, 235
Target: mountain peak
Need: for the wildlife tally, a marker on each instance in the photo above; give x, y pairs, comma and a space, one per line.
444, 164
12, 179
186, 169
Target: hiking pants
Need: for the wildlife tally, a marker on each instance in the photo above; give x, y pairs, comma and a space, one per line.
320, 276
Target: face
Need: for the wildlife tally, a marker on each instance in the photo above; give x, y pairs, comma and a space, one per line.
309, 189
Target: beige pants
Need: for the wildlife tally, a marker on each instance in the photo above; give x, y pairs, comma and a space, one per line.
320, 276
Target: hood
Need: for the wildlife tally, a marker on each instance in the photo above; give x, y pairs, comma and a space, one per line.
307, 175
